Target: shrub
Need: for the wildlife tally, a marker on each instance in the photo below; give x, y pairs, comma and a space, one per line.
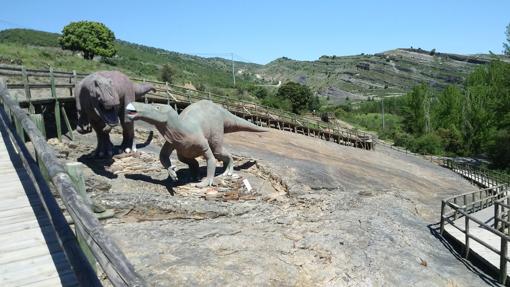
167, 73
299, 96
429, 143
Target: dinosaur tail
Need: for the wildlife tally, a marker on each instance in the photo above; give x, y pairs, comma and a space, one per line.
233, 123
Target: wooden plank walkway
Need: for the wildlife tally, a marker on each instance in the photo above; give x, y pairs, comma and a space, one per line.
30, 254
485, 215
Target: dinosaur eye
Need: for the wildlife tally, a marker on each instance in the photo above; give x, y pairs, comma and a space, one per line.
157, 108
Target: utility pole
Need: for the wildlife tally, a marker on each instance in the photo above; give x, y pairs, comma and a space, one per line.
233, 71
382, 111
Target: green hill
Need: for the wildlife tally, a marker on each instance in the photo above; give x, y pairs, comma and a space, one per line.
338, 79
41, 49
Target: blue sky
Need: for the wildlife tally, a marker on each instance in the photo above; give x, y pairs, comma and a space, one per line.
261, 31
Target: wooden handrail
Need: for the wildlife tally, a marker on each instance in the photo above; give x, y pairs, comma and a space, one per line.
112, 260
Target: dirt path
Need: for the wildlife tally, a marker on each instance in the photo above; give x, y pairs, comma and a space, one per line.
320, 214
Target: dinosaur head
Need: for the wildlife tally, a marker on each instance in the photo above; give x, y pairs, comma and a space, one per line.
105, 101
152, 113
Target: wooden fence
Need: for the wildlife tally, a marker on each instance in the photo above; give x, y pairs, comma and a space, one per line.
464, 205
109, 256
479, 175
176, 95
496, 195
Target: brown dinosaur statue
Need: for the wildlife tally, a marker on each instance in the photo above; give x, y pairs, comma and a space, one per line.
101, 99
197, 131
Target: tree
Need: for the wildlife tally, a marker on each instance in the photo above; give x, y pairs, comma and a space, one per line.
415, 111
91, 38
299, 96
506, 45
167, 73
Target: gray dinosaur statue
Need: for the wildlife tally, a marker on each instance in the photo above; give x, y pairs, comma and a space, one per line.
197, 131
101, 99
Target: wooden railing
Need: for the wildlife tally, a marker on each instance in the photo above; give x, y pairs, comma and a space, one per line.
464, 205
480, 175
109, 256
169, 93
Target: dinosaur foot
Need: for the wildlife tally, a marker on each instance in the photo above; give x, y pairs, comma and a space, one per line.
129, 150
172, 174
204, 183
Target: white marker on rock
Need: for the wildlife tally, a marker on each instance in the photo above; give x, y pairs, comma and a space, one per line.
247, 184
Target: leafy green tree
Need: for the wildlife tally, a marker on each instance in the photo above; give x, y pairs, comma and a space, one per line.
260, 92
91, 38
299, 96
447, 108
506, 46
167, 73
416, 110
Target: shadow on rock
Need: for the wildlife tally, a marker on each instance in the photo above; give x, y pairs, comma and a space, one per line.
98, 165
167, 183
472, 263
245, 165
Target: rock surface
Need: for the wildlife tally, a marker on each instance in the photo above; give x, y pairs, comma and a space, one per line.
319, 214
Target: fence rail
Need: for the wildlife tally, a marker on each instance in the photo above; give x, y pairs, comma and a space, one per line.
109, 256
480, 175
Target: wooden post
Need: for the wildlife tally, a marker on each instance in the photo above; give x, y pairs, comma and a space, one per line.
19, 129
502, 261
57, 106
441, 230
68, 124
496, 214
28, 95
145, 96
167, 93
74, 169
72, 80
466, 229
38, 119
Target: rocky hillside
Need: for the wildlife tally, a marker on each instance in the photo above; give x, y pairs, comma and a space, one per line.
384, 74
390, 73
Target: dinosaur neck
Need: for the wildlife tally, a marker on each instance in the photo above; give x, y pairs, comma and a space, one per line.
173, 130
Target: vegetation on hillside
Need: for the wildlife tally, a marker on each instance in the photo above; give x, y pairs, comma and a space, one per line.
42, 50
470, 120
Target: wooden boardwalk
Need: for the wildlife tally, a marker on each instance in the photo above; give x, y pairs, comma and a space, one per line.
486, 215
479, 220
30, 254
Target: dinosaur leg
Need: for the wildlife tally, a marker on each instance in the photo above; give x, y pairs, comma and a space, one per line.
211, 167
104, 145
164, 158
228, 161
128, 135
193, 166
